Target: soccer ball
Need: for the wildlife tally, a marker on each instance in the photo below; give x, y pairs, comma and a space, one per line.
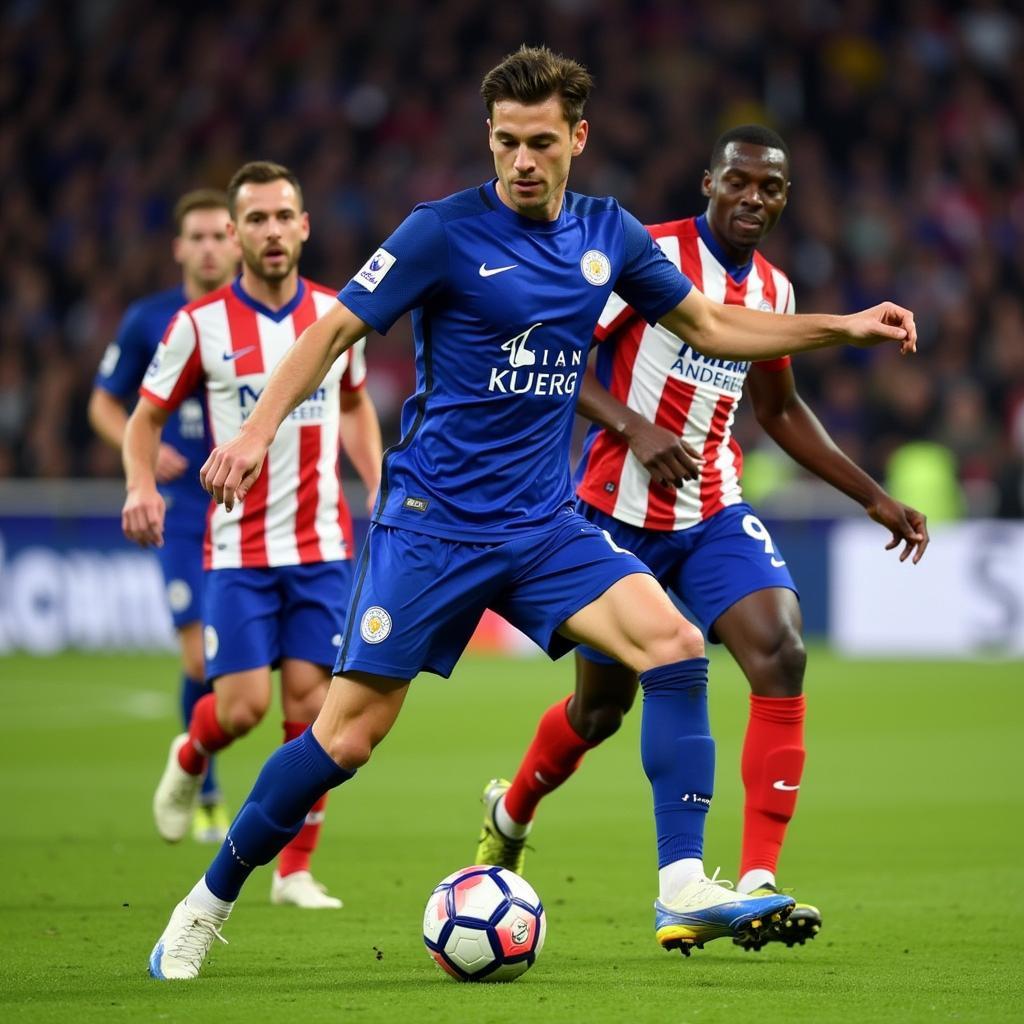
484, 923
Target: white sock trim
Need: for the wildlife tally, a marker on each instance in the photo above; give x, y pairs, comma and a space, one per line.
507, 825
754, 879
201, 899
672, 877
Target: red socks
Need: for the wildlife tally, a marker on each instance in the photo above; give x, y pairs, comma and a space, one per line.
772, 766
205, 736
553, 756
295, 856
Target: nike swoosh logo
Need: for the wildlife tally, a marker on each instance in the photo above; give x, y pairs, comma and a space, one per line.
784, 786
490, 272
229, 357
540, 778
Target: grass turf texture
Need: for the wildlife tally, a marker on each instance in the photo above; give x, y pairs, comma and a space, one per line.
908, 837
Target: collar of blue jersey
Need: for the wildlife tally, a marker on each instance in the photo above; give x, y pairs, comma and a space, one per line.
738, 274
277, 315
491, 197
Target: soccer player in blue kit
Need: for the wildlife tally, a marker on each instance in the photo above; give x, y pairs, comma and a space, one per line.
208, 257
505, 283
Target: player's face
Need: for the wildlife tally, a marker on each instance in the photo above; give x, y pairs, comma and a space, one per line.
747, 189
270, 227
207, 253
533, 146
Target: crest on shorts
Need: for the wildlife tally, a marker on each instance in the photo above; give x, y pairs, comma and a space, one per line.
179, 596
375, 625
596, 267
211, 642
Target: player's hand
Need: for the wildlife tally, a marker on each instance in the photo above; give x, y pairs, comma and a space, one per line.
142, 517
668, 458
881, 323
908, 527
170, 464
232, 469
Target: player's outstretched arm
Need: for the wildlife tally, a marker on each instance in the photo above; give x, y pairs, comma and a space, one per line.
735, 332
791, 423
233, 467
668, 458
361, 440
142, 517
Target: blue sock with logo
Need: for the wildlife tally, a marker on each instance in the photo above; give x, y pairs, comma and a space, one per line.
678, 755
294, 777
191, 690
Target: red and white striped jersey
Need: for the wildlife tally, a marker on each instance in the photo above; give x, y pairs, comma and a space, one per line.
649, 369
230, 343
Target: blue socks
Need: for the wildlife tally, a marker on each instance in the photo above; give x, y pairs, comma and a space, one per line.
191, 691
678, 755
295, 776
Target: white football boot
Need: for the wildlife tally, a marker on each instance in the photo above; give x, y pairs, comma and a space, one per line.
176, 796
301, 889
179, 953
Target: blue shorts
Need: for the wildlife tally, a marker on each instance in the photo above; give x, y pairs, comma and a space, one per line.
417, 599
709, 567
181, 561
256, 617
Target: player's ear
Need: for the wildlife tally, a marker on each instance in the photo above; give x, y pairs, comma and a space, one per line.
176, 248
579, 137
705, 185
305, 225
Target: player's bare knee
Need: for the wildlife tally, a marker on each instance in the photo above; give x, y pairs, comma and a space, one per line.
350, 750
780, 670
596, 724
675, 639
240, 717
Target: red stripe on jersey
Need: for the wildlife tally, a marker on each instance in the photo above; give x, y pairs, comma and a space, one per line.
673, 409
689, 258
711, 478
245, 337
735, 291
191, 376
308, 497
608, 452
305, 311
254, 513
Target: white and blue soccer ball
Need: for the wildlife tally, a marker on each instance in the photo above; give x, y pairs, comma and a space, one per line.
484, 923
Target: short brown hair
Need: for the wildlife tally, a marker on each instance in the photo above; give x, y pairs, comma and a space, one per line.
532, 74
260, 172
198, 199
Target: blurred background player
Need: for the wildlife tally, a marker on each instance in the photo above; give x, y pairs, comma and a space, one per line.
277, 567
661, 474
208, 257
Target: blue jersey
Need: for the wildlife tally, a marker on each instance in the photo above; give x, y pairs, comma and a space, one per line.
121, 371
503, 309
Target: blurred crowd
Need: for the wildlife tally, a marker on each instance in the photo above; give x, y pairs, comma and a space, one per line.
905, 120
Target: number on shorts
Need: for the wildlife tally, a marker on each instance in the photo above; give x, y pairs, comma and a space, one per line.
615, 547
753, 527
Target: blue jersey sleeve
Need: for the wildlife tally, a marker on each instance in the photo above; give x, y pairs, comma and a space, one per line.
402, 274
125, 361
649, 281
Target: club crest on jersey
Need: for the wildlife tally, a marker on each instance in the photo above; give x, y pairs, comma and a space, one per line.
596, 267
211, 642
535, 373
375, 270
375, 625
765, 306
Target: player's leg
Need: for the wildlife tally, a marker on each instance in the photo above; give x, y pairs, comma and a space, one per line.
737, 582
616, 606
210, 823
357, 714
241, 641
763, 633
304, 686
567, 730
238, 703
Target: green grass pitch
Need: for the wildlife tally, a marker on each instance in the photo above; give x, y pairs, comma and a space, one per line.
908, 836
